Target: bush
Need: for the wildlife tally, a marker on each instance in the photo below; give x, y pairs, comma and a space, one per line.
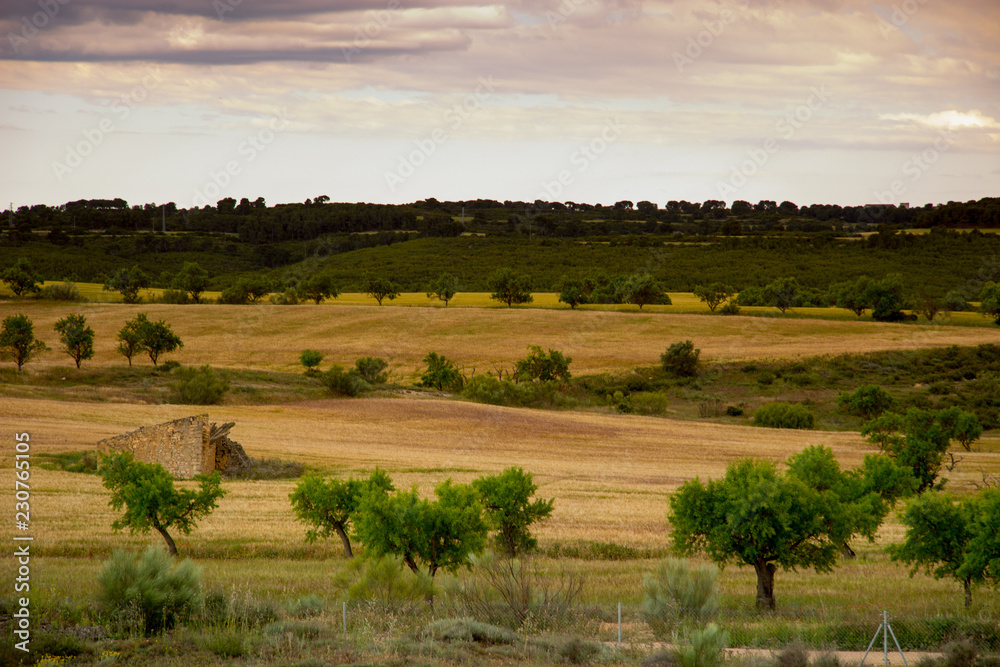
344, 383
384, 582
681, 359
648, 403
441, 374
372, 369
311, 359
677, 591
66, 291
734, 411
469, 630
731, 308
703, 647
541, 367
793, 655
488, 389
174, 296
307, 605
200, 386
235, 295
867, 402
578, 651
149, 590
779, 414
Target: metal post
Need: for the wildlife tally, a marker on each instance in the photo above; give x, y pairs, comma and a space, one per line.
345, 617
619, 626
885, 637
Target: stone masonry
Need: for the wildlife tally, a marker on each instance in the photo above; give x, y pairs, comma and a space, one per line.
183, 446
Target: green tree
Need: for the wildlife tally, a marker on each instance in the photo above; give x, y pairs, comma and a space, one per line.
714, 295
255, 287
319, 286
510, 287
955, 539
439, 534
192, 279
130, 337
22, 278
680, 359
510, 511
989, 301
887, 299
572, 293
151, 502
380, 288
17, 340
758, 517
642, 289
867, 401
542, 367
157, 338
854, 296
128, 282
311, 359
76, 337
444, 288
328, 504
782, 293
961, 425
372, 370
441, 373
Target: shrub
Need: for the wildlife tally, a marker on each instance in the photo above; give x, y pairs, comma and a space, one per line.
175, 296
867, 402
779, 414
148, 590
441, 373
200, 386
307, 605
578, 651
648, 403
311, 359
344, 383
384, 582
289, 297
731, 308
681, 359
703, 647
65, 291
734, 411
678, 590
541, 367
469, 630
235, 295
372, 369
488, 389
225, 643
793, 655
955, 301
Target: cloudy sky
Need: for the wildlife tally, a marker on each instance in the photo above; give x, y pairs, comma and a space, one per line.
814, 101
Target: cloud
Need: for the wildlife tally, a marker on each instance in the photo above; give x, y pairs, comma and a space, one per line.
945, 120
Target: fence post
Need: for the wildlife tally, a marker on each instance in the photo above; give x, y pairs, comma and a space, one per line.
885, 637
345, 617
619, 626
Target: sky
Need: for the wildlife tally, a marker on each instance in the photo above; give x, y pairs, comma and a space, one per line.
392, 101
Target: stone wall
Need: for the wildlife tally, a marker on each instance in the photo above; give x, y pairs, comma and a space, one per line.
184, 446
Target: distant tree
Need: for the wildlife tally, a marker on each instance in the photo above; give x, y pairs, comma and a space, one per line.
714, 295
328, 504
372, 370
158, 338
146, 491
319, 286
441, 373
444, 288
961, 426
439, 534
76, 337
642, 289
128, 282
22, 278
192, 279
929, 306
510, 511
867, 401
681, 359
510, 288
854, 296
311, 359
782, 293
956, 539
955, 301
887, 298
256, 287
989, 301
542, 367
572, 293
17, 340
130, 337
380, 288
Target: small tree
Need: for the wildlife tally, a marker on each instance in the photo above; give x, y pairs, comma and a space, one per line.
17, 340
441, 373
510, 288
200, 386
572, 293
311, 359
989, 301
714, 295
439, 534
372, 369
867, 401
681, 359
444, 288
151, 502
192, 279
380, 288
127, 282
255, 287
510, 511
887, 299
76, 337
130, 337
158, 338
541, 367
328, 504
853, 296
643, 289
782, 293
22, 278
318, 287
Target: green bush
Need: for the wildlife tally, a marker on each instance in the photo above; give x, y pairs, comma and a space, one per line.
541, 367
441, 374
681, 359
311, 359
344, 383
307, 605
648, 403
225, 643
235, 295
793, 655
384, 582
488, 389
779, 414
469, 630
174, 296
372, 369
148, 592
200, 386
731, 308
703, 648
867, 402
578, 651
66, 291
678, 590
